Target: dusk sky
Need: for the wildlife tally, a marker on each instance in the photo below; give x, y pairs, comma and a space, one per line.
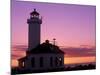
72, 26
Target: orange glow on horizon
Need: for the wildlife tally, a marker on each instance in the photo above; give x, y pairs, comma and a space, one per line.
76, 60
67, 60
14, 63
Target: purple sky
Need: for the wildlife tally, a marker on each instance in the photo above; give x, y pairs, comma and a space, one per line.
71, 25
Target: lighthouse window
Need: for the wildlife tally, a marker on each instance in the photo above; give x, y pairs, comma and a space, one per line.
33, 62
60, 61
41, 61
23, 64
51, 63
56, 61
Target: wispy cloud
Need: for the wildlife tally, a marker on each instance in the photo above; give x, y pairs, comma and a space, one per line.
72, 54
18, 51
79, 52
19, 47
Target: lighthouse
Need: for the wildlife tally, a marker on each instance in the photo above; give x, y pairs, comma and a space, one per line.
34, 24
40, 57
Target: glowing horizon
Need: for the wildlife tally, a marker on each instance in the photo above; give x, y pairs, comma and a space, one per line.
67, 60
72, 55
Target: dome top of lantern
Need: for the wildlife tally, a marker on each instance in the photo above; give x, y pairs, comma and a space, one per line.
34, 13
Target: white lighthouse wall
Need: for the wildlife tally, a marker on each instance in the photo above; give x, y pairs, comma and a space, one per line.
34, 35
46, 61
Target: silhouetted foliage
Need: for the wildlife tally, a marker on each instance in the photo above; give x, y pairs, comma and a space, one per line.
68, 68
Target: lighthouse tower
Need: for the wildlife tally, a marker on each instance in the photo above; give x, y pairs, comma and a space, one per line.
42, 57
34, 23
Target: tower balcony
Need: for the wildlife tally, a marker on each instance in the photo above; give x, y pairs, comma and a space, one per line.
34, 20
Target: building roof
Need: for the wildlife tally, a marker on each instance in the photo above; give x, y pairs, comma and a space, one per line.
46, 48
22, 59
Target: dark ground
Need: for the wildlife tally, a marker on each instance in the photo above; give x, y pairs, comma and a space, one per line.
15, 71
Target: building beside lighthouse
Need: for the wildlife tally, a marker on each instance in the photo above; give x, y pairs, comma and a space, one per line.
45, 56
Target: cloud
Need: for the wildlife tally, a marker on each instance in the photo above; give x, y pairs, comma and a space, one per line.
15, 56
18, 51
79, 52
19, 47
